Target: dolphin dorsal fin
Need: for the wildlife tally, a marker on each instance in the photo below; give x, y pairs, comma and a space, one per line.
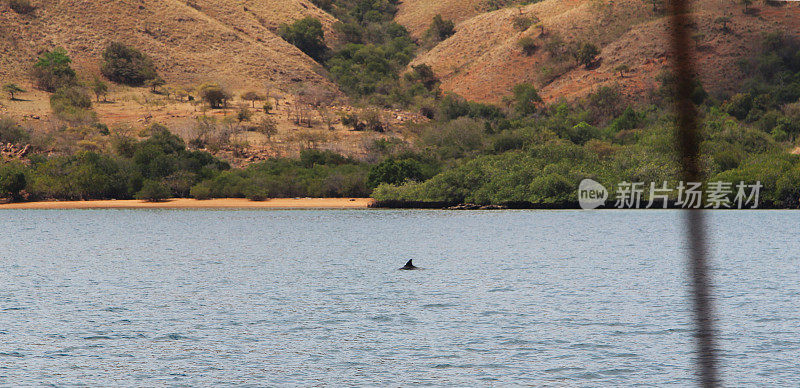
409, 263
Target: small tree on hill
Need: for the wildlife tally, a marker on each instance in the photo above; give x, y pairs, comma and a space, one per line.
12, 89
747, 4
622, 69
155, 83
53, 71
253, 97
440, 29
214, 95
586, 54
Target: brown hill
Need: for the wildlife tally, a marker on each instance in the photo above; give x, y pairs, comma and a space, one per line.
190, 41
483, 60
417, 15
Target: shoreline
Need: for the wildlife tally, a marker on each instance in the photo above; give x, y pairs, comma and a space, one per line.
187, 203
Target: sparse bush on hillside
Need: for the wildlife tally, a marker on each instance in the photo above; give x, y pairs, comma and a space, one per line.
214, 95
53, 71
528, 45
11, 132
423, 74
267, 126
127, 65
72, 103
307, 35
440, 29
22, 7
244, 114
521, 22
585, 54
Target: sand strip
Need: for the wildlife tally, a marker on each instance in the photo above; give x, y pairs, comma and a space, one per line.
185, 203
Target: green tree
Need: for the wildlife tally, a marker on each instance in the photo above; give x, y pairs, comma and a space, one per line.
394, 172
440, 29
307, 35
214, 95
12, 181
586, 54
155, 83
12, 89
526, 98
53, 71
127, 65
622, 69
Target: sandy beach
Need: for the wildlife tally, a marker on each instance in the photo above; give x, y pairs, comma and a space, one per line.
186, 203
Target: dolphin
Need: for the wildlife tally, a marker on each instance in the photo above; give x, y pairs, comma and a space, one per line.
409, 266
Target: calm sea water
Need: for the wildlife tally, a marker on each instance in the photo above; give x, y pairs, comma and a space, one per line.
313, 298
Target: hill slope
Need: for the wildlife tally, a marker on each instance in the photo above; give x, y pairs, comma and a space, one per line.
190, 41
483, 61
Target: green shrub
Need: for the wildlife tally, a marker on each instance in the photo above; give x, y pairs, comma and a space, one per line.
53, 71
528, 45
521, 23
394, 172
440, 29
307, 35
526, 99
72, 103
586, 53
153, 191
11, 132
127, 65
12, 180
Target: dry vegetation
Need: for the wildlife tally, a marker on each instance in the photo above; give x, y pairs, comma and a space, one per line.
483, 60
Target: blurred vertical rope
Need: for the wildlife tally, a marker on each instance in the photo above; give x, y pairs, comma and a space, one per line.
688, 140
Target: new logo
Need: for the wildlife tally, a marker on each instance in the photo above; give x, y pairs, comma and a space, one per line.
591, 194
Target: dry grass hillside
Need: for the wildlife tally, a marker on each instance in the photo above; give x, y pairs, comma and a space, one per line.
232, 42
483, 60
416, 15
